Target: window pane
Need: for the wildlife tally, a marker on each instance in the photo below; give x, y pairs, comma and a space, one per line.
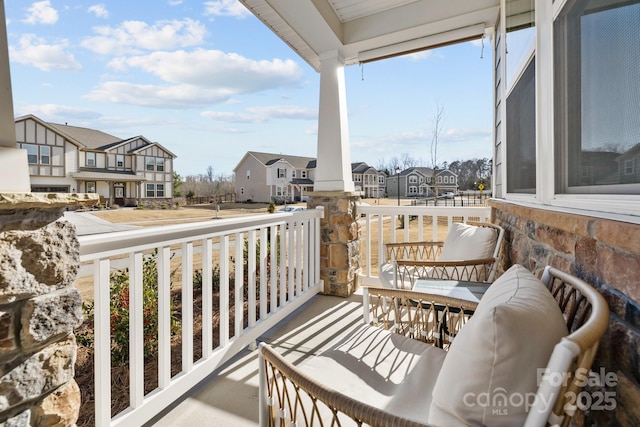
91, 187
151, 190
151, 164
91, 159
160, 190
521, 134
160, 164
45, 155
32, 153
119, 161
599, 89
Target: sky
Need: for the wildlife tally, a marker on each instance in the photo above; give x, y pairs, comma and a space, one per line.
209, 82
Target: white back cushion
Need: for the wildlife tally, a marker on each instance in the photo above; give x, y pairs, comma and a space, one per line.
491, 368
465, 242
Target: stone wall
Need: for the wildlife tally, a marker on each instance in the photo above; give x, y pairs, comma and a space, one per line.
339, 247
39, 307
604, 253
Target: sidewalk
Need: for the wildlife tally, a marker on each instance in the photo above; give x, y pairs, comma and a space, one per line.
87, 223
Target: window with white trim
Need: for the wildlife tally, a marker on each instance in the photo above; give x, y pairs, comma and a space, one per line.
91, 159
119, 160
303, 174
282, 173
596, 93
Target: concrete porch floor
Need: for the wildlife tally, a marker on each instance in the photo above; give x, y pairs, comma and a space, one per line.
229, 397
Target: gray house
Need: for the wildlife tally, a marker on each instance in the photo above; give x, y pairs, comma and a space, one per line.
419, 182
368, 181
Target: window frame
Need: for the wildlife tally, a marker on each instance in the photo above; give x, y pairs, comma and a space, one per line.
90, 159
550, 188
120, 161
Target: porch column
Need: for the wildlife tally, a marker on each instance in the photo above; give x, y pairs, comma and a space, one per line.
333, 187
14, 167
333, 168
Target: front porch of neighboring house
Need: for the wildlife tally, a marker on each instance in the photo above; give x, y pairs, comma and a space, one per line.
120, 189
292, 278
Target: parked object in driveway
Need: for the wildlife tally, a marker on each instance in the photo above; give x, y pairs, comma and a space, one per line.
448, 195
292, 209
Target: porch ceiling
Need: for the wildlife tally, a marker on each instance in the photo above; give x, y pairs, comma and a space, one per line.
366, 30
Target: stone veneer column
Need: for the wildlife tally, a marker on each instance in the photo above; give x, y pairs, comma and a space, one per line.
39, 307
339, 247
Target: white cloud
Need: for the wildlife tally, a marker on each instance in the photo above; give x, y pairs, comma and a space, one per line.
216, 69
419, 56
41, 12
175, 2
132, 37
176, 96
263, 114
36, 52
60, 113
465, 135
99, 10
226, 8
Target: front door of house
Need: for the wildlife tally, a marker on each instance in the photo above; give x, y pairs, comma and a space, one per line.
118, 195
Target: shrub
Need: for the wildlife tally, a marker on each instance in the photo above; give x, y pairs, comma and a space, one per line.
119, 312
197, 279
272, 207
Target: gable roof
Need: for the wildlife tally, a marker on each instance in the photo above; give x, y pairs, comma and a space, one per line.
88, 138
93, 139
297, 162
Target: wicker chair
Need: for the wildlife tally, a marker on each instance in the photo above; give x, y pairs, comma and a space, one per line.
291, 395
478, 260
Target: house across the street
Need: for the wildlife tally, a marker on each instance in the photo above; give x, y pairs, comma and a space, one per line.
70, 159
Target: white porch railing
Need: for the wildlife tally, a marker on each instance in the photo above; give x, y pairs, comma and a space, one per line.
289, 241
384, 224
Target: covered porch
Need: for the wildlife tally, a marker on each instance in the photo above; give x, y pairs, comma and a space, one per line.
591, 233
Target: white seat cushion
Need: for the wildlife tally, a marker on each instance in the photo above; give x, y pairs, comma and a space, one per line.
388, 279
490, 373
380, 368
465, 242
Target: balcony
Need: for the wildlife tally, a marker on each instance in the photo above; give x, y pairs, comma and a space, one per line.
272, 264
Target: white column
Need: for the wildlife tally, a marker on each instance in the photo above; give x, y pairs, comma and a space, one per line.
14, 167
333, 170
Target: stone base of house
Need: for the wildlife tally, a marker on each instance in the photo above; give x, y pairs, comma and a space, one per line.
606, 254
339, 247
39, 307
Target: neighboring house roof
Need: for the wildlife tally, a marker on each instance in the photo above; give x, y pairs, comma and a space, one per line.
302, 181
88, 138
92, 139
267, 159
362, 167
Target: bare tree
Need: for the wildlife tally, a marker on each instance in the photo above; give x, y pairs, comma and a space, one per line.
407, 161
437, 130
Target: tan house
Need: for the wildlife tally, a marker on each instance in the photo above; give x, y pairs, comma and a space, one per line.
70, 159
265, 177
